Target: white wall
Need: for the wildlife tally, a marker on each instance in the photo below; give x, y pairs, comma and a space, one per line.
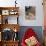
22, 4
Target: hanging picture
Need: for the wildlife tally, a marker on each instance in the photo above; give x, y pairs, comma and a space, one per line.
30, 12
5, 12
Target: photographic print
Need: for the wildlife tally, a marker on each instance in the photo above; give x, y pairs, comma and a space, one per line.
5, 12
30, 12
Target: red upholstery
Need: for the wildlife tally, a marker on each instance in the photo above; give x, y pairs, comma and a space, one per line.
29, 33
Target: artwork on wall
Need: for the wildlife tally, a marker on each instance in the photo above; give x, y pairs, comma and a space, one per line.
30, 12
5, 12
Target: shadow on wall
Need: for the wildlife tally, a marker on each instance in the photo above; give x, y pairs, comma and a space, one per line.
37, 29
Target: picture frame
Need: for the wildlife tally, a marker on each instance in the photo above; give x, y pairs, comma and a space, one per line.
13, 12
5, 12
30, 12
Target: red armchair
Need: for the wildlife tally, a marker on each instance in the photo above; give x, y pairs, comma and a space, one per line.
29, 33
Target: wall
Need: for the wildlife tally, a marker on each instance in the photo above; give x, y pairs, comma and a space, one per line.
22, 4
39, 12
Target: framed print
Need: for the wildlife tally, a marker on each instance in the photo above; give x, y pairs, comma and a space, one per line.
5, 12
13, 12
30, 12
